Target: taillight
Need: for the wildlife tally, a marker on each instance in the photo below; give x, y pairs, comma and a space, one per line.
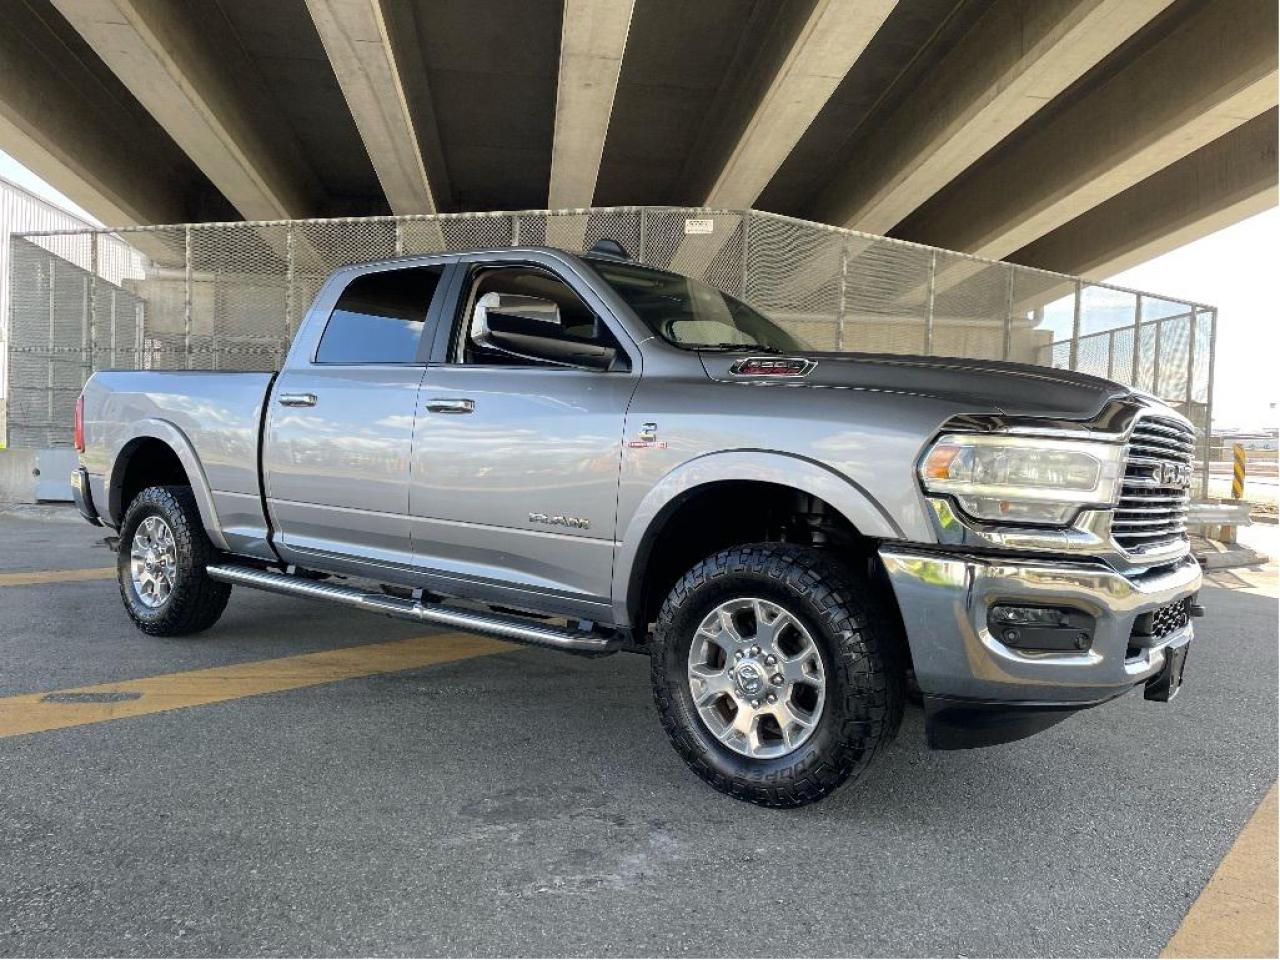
79, 423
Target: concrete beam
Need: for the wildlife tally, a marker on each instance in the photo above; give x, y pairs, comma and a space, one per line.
1017, 57
593, 39
61, 118
788, 95
357, 39
1206, 74
186, 67
759, 120
1220, 184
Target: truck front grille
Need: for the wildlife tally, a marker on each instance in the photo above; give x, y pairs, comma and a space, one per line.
1152, 512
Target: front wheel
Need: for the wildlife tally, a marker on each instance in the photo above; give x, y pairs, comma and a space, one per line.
161, 565
770, 676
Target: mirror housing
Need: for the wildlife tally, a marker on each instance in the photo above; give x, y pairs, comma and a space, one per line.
531, 328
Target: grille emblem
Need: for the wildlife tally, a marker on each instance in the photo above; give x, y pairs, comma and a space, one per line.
1174, 474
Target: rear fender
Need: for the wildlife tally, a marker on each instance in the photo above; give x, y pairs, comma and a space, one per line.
785, 470
177, 441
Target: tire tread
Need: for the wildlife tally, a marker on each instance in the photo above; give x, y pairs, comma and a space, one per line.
866, 657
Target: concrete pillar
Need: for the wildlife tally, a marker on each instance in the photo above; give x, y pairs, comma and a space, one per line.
593, 39
358, 41
1017, 57
1229, 179
1207, 73
66, 118
185, 65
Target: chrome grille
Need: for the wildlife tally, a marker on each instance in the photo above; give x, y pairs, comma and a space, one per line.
1152, 512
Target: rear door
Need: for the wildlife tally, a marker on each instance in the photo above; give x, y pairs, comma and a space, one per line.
339, 432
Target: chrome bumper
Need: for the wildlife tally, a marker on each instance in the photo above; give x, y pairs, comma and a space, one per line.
944, 599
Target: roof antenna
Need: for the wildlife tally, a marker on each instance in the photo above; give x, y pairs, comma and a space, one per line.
610, 248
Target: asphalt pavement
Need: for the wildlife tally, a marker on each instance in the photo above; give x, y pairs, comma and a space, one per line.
526, 802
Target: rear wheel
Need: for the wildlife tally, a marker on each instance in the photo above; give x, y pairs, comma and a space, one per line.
161, 565
770, 677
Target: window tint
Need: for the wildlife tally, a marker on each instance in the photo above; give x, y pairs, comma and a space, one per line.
379, 317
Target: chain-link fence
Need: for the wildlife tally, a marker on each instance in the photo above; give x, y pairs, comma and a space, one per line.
230, 296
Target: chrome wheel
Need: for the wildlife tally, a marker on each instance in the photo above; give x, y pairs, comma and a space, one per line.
153, 562
756, 677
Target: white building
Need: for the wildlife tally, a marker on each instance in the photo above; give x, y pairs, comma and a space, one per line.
22, 211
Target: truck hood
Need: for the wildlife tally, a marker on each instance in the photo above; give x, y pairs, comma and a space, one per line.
973, 385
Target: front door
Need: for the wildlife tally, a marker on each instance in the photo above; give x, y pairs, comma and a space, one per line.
515, 462
339, 434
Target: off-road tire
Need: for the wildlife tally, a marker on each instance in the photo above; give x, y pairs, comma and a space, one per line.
863, 663
196, 601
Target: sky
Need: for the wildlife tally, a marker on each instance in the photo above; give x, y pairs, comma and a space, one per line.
12, 170
1234, 269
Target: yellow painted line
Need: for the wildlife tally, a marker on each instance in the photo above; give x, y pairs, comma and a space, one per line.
1235, 915
25, 578
33, 713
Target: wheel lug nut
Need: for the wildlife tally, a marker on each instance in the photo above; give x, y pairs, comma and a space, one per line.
771, 659
772, 698
755, 651
755, 703
776, 679
738, 655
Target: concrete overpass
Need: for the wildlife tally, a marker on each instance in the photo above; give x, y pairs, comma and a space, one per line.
1075, 135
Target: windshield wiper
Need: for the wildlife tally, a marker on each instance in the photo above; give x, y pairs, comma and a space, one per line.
728, 347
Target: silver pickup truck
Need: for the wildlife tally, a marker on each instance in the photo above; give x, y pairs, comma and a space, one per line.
583, 453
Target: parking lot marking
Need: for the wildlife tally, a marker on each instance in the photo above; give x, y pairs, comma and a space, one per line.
25, 578
75, 706
1235, 914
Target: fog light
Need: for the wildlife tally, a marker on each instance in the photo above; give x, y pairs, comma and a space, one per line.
1041, 628
1039, 616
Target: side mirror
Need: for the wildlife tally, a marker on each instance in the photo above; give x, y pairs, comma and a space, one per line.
531, 328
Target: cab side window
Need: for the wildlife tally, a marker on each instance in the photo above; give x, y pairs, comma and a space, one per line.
379, 317
578, 322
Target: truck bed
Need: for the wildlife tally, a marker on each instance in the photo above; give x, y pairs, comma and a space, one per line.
218, 416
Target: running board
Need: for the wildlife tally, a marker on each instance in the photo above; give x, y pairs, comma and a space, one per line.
493, 624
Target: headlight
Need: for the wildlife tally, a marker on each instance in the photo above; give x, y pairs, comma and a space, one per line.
1022, 479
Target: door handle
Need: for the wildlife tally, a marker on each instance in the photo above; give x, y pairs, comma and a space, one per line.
297, 399
442, 405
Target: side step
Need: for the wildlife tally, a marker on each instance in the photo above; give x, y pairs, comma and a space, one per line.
494, 624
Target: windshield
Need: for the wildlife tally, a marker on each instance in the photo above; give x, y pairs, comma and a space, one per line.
693, 314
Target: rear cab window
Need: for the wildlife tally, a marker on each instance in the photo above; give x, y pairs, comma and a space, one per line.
379, 317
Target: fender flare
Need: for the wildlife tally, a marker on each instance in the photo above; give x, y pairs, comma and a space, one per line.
843, 494
177, 441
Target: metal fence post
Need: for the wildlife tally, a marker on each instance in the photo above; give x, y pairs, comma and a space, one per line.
1208, 407
289, 277
85, 295
1155, 360
1073, 355
1137, 339
1006, 342
1191, 360
840, 302
930, 300
186, 305
49, 355
93, 299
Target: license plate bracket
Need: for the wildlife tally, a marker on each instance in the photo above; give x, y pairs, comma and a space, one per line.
1164, 686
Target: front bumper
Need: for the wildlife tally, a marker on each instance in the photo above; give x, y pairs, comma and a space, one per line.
967, 674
